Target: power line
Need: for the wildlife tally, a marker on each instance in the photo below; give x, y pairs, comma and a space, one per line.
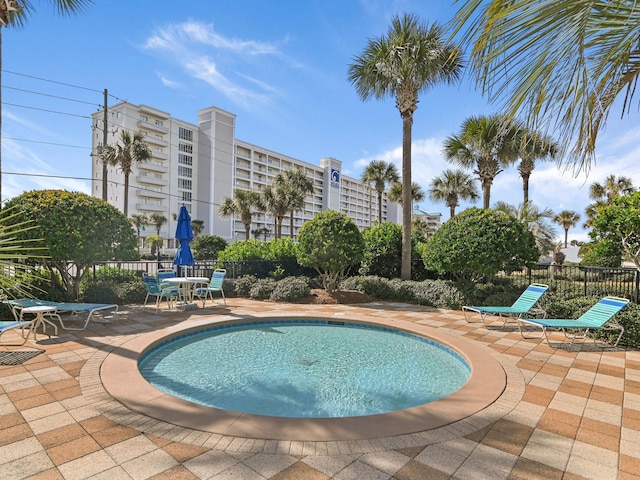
51, 96
52, 81
45, 143
46, 110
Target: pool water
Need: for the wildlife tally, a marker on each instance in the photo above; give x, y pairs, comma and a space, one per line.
305, 369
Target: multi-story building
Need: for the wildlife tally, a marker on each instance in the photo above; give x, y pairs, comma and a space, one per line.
200, 165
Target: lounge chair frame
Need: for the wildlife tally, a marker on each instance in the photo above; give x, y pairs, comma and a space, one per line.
598, 318
523, 305
6, 326
63, 307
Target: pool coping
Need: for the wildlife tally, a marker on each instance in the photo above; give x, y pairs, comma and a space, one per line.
122, 380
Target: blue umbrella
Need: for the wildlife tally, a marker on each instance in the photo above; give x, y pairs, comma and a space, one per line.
184, 234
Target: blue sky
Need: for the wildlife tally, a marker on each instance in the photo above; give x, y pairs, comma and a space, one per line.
280, 66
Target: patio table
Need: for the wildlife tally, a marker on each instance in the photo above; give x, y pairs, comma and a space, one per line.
185, 288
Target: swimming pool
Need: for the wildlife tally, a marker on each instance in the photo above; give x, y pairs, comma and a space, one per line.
305, 368
123, 382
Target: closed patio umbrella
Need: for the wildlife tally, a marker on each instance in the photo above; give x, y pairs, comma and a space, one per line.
184, 234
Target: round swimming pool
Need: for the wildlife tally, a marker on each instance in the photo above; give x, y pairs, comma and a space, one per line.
305, 369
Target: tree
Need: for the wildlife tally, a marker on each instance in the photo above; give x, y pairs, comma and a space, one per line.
567, 219
411, 58
380, 174
139, 221
451, 187
154, 242
604, 193
480, 242
298, 186
487, 143
534, 146
536, 221
129, 150
241, 205
275, 201
619, 224
157, 220
14, 13
330, 243
395, 193
568, 62
76, 228
207, 247
197, 226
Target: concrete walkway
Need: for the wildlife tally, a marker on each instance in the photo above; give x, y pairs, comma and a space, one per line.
567, 412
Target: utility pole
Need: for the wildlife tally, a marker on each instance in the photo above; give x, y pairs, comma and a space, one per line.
104, 145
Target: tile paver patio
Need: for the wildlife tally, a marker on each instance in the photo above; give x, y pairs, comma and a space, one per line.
566, 413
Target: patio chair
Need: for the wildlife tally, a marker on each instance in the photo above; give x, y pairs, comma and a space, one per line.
596, 318
158, 291
215, 285
6, 326
74, 308
523, 305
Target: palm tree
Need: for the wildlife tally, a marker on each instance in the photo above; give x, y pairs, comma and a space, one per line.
197, 226
241, 205
380, 174
131, 150
411, 58
604, 193
157, 220
567, 219
534, 146
395, 193
275, 200
487, 143
298, 186
138, 220
536, 220
451, 187
567, 81
14, 13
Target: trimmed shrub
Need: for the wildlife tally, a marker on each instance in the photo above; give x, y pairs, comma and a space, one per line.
290, 289
371, 285
242, 285
262, 289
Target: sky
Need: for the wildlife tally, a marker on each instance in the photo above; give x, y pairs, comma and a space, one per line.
280, 66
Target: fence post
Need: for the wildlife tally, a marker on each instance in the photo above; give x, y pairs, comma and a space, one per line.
585, 283
637, 289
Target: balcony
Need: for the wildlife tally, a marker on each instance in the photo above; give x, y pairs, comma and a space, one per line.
161, 182
142, 125
143, 192
156, 141
146, 207
152, 167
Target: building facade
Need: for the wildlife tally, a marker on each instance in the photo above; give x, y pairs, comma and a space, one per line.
200, 165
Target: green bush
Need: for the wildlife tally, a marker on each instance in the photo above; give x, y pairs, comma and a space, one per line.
262, 289
437, 293
242, 285
110, 291
371, 285
207, 247
290, 289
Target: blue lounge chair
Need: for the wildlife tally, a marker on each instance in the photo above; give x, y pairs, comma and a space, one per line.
5, 326
522, 306
596, 318
62, 307
215, 285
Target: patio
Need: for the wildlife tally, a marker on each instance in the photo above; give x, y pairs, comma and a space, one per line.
566, 413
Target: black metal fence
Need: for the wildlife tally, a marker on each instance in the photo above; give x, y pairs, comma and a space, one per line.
570, 280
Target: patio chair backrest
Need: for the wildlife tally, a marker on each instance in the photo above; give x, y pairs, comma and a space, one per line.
602, 312
166, 273
530, 296
217, 279
151, 282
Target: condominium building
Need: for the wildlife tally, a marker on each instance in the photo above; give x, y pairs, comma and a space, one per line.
199, 165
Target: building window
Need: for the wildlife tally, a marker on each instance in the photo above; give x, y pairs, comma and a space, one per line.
185, 159
144, 118
184, 183
185, 134
186, 196
184, 171
185, 147
160, 137
159, 123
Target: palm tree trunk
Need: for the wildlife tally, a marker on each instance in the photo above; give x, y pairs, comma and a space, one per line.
247, 228
291, 225
525, 187
452, 211
407, 122
125, 210
566, 235
379, 206
486, 193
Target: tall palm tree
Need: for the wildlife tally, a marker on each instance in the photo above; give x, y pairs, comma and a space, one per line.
197, 226
567, 219
536, 220
487, 143
129, 150
241, 205
14, 13
275, 201
534, 146
451, 187
138, 220
298, 186
567, 81
411, 58
380, 174
157, 220
604, 193
395, 193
